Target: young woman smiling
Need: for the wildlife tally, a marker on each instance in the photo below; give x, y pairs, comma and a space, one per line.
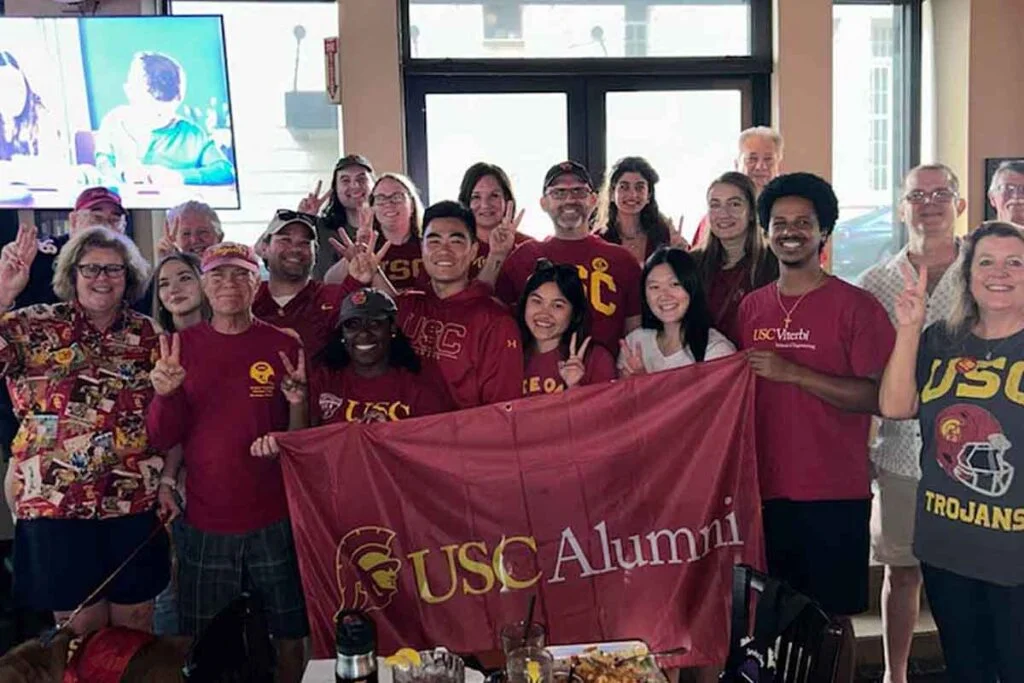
627, 211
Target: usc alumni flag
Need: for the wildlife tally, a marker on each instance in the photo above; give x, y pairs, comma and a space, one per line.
623, 506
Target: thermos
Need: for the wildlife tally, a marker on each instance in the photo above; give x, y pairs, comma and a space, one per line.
356, 646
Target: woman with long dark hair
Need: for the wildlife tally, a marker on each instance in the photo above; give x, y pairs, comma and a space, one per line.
553, 318
675, 328
734, 260
627, 209
487, 191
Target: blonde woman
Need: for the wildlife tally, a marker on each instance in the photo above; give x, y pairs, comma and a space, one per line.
962, 380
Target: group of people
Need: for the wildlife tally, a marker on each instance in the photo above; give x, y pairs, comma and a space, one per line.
376, 309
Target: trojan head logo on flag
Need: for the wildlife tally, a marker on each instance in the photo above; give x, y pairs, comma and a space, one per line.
367, 568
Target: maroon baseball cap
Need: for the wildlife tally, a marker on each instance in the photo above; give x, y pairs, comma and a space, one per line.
573, 168
230, 254
94, 196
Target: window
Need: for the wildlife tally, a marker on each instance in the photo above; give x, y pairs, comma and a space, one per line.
286, 131
873, 128
578, 28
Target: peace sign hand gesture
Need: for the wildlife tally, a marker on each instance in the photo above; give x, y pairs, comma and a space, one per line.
503, 237
676, 238
312, 202
631, 360
910, 304
572, 369
293, 386
15, 264
167, 374
364, 263
168, 243
366, 237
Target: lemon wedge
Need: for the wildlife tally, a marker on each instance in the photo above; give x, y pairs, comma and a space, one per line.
404, 658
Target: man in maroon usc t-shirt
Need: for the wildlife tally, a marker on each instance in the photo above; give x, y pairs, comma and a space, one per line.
818, 346
464, 336
291, 299
610, 274
218, 390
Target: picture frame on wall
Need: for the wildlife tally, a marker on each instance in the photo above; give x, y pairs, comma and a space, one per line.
990, 170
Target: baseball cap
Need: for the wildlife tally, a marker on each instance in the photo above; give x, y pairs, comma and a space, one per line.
285, 217
354, 160
572, 168
94, 196
230, 254
367, 303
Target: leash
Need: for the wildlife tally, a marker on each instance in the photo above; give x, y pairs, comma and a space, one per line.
47, 637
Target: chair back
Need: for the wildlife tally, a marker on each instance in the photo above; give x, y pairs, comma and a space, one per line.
234, 647
792, 641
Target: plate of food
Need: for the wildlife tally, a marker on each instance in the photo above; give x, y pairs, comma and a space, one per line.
624, 661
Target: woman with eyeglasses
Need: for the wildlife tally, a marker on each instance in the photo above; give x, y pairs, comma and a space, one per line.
676, 328
627, 210
554, 321
487, 191
961, 379
734, 260
395, 215
83, 477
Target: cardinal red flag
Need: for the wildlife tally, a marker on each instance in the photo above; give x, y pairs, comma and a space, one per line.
622, 506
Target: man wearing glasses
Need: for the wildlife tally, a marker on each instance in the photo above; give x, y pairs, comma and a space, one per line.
290, 298
929, 208
609, 272
1007, 192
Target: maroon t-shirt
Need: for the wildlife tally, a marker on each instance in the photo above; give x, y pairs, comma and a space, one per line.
485, 249
312, 313
469, 339
724, 293
403, 265
230, 397
344, 396
808, 449
542, 376
610, 274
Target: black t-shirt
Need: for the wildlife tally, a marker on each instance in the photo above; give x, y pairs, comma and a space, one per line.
970, 502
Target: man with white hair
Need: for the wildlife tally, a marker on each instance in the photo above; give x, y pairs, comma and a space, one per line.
759, 158
191, 227
1006, 191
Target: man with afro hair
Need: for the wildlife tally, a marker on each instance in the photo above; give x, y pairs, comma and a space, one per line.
818, 346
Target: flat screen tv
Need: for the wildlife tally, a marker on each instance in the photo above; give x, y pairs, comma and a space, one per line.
138, 104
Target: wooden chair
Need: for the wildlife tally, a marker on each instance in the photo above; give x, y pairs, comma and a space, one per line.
234, 647
792, 641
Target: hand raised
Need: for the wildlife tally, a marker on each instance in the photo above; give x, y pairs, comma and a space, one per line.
573, 368
631, 360
167, 374
364, 264
676, 238
293, 386
16, 262
168, 243
503, 238
313, 201
911, 307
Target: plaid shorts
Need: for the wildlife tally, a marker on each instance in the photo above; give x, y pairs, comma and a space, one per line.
215, 568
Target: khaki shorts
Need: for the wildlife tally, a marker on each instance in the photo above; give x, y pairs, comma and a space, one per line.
892, 520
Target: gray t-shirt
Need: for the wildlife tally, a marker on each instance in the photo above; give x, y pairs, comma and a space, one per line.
970, 503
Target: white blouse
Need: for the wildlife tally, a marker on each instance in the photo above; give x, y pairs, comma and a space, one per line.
655, 361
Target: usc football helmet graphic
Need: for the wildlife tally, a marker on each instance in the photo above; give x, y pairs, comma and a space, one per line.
971, 448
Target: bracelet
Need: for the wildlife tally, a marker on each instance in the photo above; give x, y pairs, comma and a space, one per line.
169, 481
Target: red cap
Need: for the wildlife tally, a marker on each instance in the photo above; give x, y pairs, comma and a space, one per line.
94, 196
230, 254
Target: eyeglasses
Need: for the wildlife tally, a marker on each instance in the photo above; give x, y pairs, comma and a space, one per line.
92, 270
733, 208
393, 198
560, 193
1010, 190
289, 215
935, 197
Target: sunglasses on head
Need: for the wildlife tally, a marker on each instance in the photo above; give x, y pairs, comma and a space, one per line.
289, 215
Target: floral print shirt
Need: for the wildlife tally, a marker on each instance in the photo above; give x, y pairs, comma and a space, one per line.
80, 394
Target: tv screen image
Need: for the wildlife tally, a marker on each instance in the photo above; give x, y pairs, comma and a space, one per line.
138, 104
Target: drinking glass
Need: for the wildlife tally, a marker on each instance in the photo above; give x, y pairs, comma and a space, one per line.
512, 636
529, 665
436, 666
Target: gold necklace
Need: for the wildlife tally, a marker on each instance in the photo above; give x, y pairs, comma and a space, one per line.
789, 313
